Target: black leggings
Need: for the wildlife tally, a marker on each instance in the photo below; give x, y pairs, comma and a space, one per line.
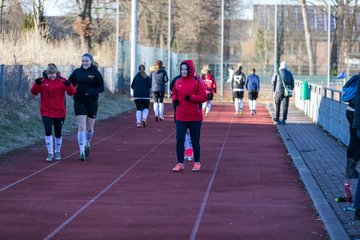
142, 104
159, 96
48, 122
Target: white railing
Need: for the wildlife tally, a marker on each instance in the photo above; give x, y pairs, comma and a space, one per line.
325, 109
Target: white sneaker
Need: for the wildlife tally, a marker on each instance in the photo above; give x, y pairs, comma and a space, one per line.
57, 156
49, 157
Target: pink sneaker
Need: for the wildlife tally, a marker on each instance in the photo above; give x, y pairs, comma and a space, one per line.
196, 167
178, 167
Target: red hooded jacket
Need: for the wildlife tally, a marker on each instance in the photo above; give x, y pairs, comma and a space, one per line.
52, 98
210, 83
188, 111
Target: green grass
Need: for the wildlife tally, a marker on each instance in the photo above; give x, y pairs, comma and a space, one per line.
21, 125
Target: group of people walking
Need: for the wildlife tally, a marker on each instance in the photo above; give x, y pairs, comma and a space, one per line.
84, 84
239, 83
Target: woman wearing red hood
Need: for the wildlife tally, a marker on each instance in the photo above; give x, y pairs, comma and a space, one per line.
188, 94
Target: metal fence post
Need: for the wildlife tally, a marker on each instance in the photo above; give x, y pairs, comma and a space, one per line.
20, 79
2, 80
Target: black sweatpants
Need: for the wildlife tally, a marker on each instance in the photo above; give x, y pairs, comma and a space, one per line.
282, 101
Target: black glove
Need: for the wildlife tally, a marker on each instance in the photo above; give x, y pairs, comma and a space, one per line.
187, 97
358, 132
66, 83
176, 102
38, 81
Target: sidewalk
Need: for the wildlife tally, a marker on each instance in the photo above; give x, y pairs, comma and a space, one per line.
320, 160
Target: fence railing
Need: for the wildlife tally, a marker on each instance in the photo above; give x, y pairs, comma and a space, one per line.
16, 80
325, 109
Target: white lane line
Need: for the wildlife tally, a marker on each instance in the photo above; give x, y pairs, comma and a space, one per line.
78, 212
53, 164
208, 189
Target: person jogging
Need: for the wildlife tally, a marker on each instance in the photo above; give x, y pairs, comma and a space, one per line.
141, 85
89, 83
52, 88
188, 93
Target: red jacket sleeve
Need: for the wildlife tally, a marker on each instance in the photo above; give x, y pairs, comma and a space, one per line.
35, 89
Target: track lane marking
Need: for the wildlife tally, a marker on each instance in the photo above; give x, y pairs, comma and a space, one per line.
55, 163
208, 189
78, 212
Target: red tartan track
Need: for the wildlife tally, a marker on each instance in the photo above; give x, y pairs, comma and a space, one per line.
246, 189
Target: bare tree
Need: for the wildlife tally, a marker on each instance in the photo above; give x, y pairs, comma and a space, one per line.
83, 24
308, 39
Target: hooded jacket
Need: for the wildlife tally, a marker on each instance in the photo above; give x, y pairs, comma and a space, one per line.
52, 98
88, 82
210, 83
188, 111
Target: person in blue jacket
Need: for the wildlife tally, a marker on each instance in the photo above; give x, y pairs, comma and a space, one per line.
89, 83
158, 77
356, 127
141, 85
252, 85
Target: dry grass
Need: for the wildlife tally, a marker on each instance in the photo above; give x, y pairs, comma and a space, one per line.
27, 48
20, 120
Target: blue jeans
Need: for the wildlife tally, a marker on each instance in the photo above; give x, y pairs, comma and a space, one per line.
181, 128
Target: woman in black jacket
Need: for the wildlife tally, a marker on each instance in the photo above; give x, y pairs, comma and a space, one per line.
141, 85
89, 83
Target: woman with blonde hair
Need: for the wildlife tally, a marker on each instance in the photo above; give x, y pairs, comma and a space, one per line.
158, 78
89, 83
52, 88
210, 88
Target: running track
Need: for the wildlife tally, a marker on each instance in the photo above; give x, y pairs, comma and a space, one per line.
246, 189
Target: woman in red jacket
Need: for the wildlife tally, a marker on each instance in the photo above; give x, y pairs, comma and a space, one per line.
210, 88
188, 94
52, 88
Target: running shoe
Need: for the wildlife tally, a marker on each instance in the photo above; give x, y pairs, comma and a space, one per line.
82, 156
49, 157
196, 167
178, 167
87, 150
138, 125
157, 118
143, 123
57, 156
161, 118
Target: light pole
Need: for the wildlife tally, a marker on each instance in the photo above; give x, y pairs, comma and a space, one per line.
275, 38
169, 46
329, 30
117, 45
222, 52
133, 41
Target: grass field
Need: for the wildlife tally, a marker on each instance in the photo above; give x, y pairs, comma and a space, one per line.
21, 125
